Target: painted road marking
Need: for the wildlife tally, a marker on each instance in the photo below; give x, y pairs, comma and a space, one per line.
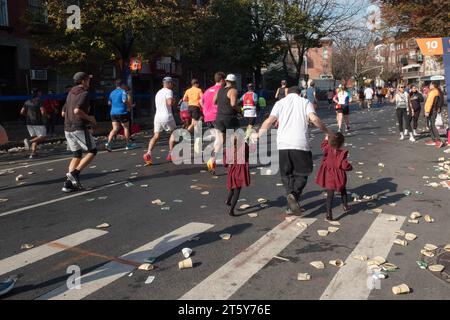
223, 283
37, 205
350, 282
112, 271
33, 255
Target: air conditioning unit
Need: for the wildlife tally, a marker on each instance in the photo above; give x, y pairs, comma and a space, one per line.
38, 74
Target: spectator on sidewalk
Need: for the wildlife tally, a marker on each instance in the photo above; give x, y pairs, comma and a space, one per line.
415, 98
433, 106
35, 116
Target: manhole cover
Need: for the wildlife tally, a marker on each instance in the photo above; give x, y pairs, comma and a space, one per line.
441, 257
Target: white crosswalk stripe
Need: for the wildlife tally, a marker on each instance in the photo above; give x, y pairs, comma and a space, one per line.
350, 282
39, 253
112, 271
229, 278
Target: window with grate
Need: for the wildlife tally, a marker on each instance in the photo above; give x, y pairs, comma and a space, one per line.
38, 11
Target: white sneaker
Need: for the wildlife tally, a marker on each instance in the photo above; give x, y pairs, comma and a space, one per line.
26, 143
411, 138
402, 136
415, 133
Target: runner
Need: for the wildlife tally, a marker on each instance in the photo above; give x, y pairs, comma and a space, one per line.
403, 109
209, 108
35, 114
342, 100
120, 116
368, 96
361, 97
311, 93
164, 120
293, 114
226, 100
193, 97
76, 127
282, 91
250, 102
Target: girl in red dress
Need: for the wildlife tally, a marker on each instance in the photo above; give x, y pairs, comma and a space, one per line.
332, 173
238, 172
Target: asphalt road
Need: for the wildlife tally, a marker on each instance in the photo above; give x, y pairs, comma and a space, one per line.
244, 267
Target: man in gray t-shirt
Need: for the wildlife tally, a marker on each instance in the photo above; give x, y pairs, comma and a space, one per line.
293, 114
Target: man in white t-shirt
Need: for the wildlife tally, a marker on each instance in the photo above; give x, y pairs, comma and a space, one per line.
164, 120
293, 114
368, 95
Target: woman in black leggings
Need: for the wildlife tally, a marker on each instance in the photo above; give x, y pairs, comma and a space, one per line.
416, 98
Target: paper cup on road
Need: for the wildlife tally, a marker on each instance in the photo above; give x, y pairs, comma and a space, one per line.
333, 229
318, 264
338, 263
400, 233
410, 236
447, 248
360, 257
185, 264
303, 277
429, 219
186, 252
436, 268
415, 215
430, 247
426, 253
401, 289
401, 242
323, 233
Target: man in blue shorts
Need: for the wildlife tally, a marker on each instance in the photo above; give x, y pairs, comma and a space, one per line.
120, 116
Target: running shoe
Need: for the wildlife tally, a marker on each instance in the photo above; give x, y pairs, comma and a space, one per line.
68, 187
26, 143
131, 146
439, 144
412, 139
7, 285
293, 204
74, 177
108, 147
32, 156
148, 159
169, 158
430, 143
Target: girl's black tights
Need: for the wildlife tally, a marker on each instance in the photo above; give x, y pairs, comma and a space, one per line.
330, 196
233, 197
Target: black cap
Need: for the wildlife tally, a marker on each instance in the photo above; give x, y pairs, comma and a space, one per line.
80, 76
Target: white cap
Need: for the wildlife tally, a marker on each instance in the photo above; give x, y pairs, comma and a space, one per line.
168, 79
231, 77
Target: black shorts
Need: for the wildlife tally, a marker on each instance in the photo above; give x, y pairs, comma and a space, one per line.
121, 118
345, 110
251, 121
227, 123
195, 113
330, 101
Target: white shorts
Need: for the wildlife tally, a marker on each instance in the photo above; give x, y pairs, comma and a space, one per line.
80, 140
37, 131
165, 126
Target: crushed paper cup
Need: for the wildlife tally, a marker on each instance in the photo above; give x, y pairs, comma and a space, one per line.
436, 268
19, 177
303, 277
447, 248
318, 264
334, 223
158, 202
337, 263
401, 289
26, 246
415, 221
427, 253
377, 210
428, 219
410, 236
323, 233
225, 236
103, 225
430, 247
377, 261
360, 257
302, 224
146, 267
401, 242
244, 206
262, 200
252, 215
333, 229
205, 193
415, 215
185, 264
400, 233
389, 266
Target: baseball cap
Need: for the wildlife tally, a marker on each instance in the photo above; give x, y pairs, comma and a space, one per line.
168, 79
231, 77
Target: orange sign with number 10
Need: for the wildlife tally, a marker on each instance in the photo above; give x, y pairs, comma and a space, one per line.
431, 46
